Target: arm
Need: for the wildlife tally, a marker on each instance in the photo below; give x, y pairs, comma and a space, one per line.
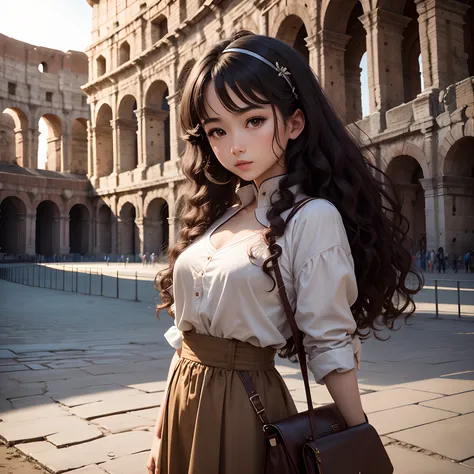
344, 390
159, 420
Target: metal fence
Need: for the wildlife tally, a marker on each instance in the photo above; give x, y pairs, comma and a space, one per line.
121, 284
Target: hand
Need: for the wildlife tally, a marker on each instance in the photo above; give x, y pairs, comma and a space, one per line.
152, 464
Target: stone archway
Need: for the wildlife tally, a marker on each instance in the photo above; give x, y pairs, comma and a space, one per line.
51, 124
406, 173
156, 227
47, 229
293, 32
157, 124
79, 221
129, 239
104, 150
104, 223
458, 196
12, 226
79, 146
126, 129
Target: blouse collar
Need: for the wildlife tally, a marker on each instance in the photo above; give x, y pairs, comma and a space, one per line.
263, 194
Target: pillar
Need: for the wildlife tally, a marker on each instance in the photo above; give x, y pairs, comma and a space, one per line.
442, 42
33, 135
63, 223
314, 54
91, 147
174, 125
30, 229
333, 46
139, 222
384, 58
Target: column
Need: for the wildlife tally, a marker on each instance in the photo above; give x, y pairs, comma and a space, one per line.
141, 137
442, 42
314, 54
173, 230
33, 134
384, 58
114, 225
139, 222
91, 147
174, 125
22, 151
116, 145
332, 78
63, 223
30, 229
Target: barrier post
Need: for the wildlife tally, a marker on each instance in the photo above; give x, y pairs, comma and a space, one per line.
436, 298
77, 278
117, 284
136, 286
459, 299
90, 281
101, 283
64, 282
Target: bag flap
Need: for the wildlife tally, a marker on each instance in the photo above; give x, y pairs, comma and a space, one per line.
354, 451
295, 430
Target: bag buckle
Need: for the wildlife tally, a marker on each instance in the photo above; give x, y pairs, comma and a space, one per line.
258, 405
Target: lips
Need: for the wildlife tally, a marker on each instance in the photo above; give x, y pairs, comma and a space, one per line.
242, 163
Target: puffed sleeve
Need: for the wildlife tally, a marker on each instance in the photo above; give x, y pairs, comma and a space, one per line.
326, 288
173, 334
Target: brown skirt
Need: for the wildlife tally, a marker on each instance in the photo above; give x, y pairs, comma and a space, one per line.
209, 425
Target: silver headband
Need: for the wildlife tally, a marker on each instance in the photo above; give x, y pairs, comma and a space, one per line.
281, 70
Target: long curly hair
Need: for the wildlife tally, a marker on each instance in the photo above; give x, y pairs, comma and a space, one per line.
324, 160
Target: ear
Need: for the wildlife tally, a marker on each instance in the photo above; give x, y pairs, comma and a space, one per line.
296, 124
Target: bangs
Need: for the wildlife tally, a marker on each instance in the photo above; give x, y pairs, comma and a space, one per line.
241, 77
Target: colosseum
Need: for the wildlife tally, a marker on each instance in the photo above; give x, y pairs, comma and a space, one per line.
112, 175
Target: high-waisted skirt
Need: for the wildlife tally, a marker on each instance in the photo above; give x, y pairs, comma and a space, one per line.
209, 424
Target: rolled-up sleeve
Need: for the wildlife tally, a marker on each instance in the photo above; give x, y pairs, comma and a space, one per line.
174, 337
326, 288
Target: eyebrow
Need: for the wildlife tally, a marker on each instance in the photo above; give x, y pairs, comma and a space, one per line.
240, 112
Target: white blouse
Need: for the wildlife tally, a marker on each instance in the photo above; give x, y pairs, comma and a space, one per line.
223, 293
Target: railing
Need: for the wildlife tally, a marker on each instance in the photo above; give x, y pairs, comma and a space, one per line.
111, 283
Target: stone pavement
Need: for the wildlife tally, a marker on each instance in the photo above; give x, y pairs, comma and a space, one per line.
82, 378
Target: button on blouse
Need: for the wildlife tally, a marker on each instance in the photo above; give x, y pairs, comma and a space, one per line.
231, 296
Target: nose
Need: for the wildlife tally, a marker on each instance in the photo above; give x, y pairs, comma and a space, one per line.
238, 149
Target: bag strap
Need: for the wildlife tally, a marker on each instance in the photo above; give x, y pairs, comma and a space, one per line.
254, 397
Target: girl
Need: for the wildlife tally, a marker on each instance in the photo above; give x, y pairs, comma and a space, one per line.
261, 136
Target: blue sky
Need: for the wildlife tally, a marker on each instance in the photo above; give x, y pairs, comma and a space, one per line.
58, 24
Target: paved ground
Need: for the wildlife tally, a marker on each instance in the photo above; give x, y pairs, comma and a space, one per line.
82, 378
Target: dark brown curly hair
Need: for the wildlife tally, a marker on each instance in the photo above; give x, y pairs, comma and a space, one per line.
324, 160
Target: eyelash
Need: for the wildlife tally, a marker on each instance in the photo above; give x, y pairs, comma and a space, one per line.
260, 119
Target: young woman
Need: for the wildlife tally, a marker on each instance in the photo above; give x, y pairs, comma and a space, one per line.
261, 136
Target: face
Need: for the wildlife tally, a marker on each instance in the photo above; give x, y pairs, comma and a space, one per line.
248, 136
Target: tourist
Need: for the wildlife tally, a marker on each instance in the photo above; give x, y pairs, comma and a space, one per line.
273, 135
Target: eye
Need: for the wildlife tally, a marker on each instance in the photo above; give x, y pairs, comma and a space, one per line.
215, 133
256, 121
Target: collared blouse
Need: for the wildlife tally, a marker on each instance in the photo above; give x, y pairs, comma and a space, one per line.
225, 293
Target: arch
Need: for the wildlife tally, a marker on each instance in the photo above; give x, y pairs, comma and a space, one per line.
130, 199
159, 28
12, 226
47, 228
156, 227
104, 150
79, 226
294, 10
52, 146
356, 49
127, 127
104, 224
157, 124
79, 146
293, 31
457, 132
407, 149
124, 53
101, 66
411, 51
8, 147
405, 172
129, 241
335, 13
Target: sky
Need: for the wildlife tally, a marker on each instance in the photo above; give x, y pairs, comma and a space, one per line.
58, 24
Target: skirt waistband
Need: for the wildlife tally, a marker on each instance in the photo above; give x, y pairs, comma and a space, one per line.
228, 354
